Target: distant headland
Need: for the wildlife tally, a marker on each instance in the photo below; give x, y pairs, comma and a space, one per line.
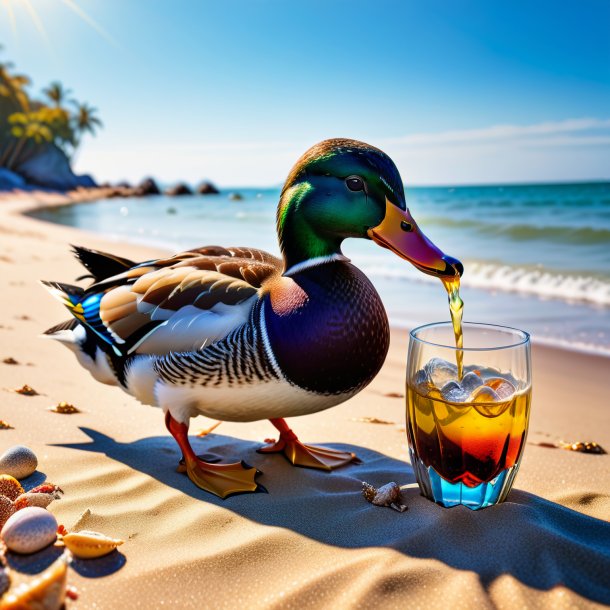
40, 136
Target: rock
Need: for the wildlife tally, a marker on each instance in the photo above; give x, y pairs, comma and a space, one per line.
123, 185
179, 189
236, 196
117, 191
207, 188
148, 187
49, 167
10, 180
18, 461
29, 530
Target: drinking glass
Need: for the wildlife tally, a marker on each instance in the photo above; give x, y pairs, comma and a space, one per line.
466, 436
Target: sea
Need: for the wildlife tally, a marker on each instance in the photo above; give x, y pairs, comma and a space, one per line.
536, 257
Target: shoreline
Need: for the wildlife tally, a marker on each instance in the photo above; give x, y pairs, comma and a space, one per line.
312, 541
26, 202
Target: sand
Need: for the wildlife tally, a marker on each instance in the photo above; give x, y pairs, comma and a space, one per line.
312, 541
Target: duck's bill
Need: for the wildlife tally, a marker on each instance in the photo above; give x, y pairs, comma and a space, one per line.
399, 232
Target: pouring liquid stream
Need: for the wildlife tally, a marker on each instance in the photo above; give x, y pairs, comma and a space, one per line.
456, 309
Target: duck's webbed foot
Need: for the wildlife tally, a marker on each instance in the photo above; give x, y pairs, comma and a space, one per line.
308, 456
219, 479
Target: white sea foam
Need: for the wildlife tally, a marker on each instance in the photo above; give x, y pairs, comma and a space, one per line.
506, 278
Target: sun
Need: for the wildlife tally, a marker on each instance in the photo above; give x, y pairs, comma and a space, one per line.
37, 21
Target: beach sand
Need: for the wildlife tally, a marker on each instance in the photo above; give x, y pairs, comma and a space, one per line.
312, 541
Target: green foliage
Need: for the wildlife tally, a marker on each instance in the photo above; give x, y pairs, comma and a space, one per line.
27, 123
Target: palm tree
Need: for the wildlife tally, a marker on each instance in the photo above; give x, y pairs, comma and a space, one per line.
12, 88
26, 127
84, 120
56, 93
13, 99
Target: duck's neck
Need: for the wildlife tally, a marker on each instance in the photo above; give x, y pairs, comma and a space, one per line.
299, 241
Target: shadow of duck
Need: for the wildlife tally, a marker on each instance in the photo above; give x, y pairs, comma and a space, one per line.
567, 548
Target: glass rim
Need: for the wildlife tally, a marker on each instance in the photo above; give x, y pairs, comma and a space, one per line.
525, 336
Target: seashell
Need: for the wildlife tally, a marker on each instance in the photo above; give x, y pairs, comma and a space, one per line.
48, 488
18, 461
72, 593
26, 390
6, 509
4, 425
33, 499
29, 530
88, 545
45, 592
387, 495
584, 447
65, 408
10, 487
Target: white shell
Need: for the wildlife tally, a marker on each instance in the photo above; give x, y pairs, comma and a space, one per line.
36, 499
18, 461
29, 530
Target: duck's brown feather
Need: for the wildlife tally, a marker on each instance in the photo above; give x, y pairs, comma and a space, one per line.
162, 290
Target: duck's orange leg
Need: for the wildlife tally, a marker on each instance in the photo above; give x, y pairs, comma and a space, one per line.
219, 479
308, 456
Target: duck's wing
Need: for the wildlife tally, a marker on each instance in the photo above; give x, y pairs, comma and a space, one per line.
180, 303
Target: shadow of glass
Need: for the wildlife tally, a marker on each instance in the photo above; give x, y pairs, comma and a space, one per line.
541, 543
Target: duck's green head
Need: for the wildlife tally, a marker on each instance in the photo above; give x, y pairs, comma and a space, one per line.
344, 188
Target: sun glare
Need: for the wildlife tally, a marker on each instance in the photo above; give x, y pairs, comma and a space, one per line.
10, 5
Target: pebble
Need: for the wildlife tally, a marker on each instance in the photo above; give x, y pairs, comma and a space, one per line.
29, 530
18, 461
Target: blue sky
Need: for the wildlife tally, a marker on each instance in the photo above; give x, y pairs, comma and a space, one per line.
456, 92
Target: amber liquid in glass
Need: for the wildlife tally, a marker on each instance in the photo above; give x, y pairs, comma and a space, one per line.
469, 442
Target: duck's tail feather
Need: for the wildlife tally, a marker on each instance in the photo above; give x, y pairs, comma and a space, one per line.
67, 295
64, 333
62, 326
101, 265
86, 309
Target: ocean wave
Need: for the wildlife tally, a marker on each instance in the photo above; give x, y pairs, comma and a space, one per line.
504, 278
575, 345
586, 235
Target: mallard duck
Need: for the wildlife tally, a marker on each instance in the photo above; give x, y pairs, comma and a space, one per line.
237, 334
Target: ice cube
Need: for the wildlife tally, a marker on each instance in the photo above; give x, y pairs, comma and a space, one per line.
471, 381
483, 394
452, 391
421, 384
440, 371
502, 387
421, 378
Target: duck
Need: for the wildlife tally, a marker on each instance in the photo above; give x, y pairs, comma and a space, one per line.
238, 334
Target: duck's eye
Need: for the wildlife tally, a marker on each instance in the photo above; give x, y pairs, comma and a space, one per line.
354, 183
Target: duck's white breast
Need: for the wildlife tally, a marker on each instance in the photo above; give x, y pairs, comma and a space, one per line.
240, 403
266, 400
